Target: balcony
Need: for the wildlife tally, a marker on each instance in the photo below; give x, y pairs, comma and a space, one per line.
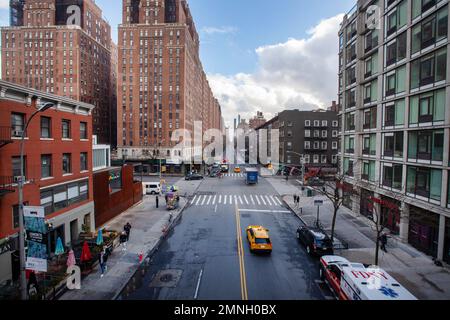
5, 136
6, 185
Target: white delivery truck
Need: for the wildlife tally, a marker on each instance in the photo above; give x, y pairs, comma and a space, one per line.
353, 281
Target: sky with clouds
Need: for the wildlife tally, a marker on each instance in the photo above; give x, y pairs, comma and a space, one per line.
261, 54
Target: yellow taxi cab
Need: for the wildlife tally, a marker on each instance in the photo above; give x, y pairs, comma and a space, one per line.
237, 170
258, 239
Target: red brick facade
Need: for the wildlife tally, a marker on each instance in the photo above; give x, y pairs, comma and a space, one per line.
19, 100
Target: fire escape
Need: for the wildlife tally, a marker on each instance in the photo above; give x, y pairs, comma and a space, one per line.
6, 183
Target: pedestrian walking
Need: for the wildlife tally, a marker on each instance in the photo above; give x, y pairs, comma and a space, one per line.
383, 240
102, 262
123, 241
295, 199
157, 202
127, 229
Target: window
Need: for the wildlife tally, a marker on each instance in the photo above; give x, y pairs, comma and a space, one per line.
393, 144
371, 92
421, 6
351, 75
46, 166
424, 182
349, 143
396, 50
335, 123
17, 124
349, 121
348, 167
60, 197
394, 114
84, 161
334, 145
350, 97
307, 123
397, 18
429, 69
371, 40
430, 31
426, 145
307, 133
307, 145
371, 66
351, 52
370, 144
45, 127
66, 129
83, 131
67, 163
396, 81
369, 171
393, 176
16, 168
370, 118
428, 107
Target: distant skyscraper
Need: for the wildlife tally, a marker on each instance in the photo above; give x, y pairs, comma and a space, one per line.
54, 48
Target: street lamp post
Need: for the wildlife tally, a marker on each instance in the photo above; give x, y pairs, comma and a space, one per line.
23, 280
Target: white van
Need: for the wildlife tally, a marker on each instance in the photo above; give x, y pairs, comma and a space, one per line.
151, 188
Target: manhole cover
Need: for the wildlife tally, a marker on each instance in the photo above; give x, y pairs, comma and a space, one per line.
166, 279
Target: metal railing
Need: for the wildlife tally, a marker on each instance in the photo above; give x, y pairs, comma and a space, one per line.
7, 184
5, 136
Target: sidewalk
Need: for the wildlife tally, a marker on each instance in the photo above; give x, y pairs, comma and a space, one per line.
148, 227
413, 269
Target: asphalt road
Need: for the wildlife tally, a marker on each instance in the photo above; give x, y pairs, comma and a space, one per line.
207, 256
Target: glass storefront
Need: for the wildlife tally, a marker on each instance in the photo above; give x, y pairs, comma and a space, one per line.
424, 230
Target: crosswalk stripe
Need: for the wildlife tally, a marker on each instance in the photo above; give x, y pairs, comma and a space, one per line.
209, 200
235, 199
224, 200
198, 200
231, 199
279, 201
251, 198
214, 200
240, 200
273, 199
246, 199
257, 200
268, 200
193, 200
262, 199
204, 199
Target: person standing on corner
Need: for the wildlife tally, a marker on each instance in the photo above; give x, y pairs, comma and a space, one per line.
127, 229
157, 202
102, 263
123, 241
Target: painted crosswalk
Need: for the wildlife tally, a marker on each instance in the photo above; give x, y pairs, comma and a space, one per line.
234, 175
241, 200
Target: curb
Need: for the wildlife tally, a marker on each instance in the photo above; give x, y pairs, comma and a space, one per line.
290, 208
152, 251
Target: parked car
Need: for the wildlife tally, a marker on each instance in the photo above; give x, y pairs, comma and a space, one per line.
315, 241
237, 169
193, 176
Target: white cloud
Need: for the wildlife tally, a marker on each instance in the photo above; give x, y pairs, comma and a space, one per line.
4, 4
219, 30
297, 74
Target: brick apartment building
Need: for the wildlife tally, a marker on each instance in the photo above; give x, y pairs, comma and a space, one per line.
162, 86
58, 169
394, 97
47, 49
312, 134
257, 121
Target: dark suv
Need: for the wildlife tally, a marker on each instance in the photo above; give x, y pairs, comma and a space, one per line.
315, 240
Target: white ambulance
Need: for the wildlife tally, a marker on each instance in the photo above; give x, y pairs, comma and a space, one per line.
353, 281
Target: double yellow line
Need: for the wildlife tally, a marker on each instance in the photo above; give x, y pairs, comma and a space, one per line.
244, 292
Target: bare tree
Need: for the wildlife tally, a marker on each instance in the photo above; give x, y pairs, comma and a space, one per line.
335, 190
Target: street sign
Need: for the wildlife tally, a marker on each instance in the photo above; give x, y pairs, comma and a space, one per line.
318, 203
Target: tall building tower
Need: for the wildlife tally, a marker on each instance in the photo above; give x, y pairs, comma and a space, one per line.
162, 86
61, 47
393, 104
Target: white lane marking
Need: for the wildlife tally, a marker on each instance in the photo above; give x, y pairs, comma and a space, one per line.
198, 200
240, 200
209, 200
268, 200
259, 210
214, 200
193, 200
279, 201
262, 199
235, 199
215, 210
257, 200
204, 199
231, 199
224, 200
251, 198
220, 199
198, 284
246, 199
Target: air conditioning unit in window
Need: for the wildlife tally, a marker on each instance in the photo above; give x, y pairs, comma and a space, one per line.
16, 179
17, 133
